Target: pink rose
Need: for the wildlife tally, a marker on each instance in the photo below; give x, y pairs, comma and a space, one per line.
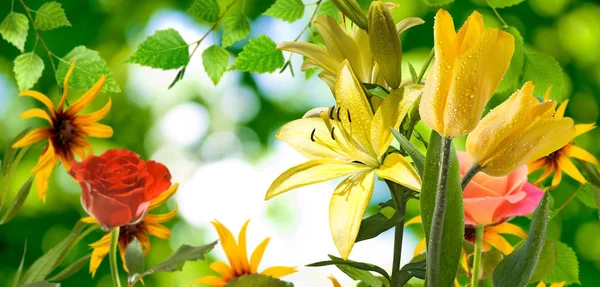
491, 200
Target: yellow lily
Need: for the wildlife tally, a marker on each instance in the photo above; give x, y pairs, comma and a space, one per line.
559, 161
518, 131
349, 141
468, 67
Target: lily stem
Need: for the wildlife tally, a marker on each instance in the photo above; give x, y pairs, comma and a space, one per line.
469, 175
114, 269
434, 251
477, 255
425, 66
398, 198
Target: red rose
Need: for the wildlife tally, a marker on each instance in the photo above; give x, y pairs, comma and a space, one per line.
117, 186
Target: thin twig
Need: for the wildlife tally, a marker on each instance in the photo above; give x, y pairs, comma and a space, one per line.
312, 17
568, 200
500, 17
214, 27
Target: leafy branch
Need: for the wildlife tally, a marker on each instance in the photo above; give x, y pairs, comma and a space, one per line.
288, 62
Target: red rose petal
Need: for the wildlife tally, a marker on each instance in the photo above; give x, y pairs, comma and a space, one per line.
161, 176
109, 212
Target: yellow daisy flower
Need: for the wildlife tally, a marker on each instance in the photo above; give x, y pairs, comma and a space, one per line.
542, 284
67, 131
149, 225
238, 259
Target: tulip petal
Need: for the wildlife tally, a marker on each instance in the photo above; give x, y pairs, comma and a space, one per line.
468, 35
314, 52
579, 153
397, 169
347, 208
279, 271
551, 135
299, 135
257, 255
313, 171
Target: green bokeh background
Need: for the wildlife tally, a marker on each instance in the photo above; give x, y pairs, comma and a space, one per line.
568, 30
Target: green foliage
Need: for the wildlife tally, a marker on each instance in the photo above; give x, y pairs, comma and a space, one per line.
183, 254
416, 155
41, 284
503, 3
165, 50
566, 268
545, 72
260, 55
11, 160
207, 10
547, 261
235, 27
286, 10
375, 90
257, 280
18, 274
357, 274
88, 70
517, 269
510, 81
377, 223
587, 197
437, 2
51, 16
358, 265
14, 29
328, 8
454, 225
72, 269
18, 201
134, 259
28, 70
215, 60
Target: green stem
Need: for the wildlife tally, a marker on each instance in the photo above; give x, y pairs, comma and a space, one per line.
469, 175
114, 268
424, 68
500, 17
477, 255
434, 251
398, 198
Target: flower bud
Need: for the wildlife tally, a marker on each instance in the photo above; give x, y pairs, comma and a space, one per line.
352, 10
385, 43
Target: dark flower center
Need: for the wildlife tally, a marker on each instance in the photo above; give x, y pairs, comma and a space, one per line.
128, 232
66, 131
470, 233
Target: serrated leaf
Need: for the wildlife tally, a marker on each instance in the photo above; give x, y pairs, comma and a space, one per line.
257, 280
215, 60
28, 70
235, 27
90, 67
286, 10
51, 16
41, 284
165, 50
503, 3
544, 71
183, 254
510, 81
71, 269
18, 202
207, 10
328, 8
437, 2
14, 29
566, 268
586, 196
546, 263
134, 260
260, 55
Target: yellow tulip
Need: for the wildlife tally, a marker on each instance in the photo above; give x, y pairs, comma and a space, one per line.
349, 141
468, 67
518, 131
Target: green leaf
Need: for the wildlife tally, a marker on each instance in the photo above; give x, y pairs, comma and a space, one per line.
71, 269
207, 10
134, 259
88, 70
503, 3
437, 2
183, 254
586, 196
594, 177
357, 274
416, 155
44, 265
566, 268
413, 73
51, 16
546, 263
235, 27
328, 8
28, 70
257, 280
510, 81
41, 284
165, 50
544, 71
518, 267
454, 226
375, 90
14, 29
18, 201
260, 55
10, 163
215, 60
20, 269
358, 265
286, 10
376, 224
489, 261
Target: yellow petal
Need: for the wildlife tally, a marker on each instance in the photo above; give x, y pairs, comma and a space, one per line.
160, 218
159, 231
163, 197
87, 98
334, 281
42, 98
561, 284
397, 169
229, 246
210, 280
95, 116
414, 220
89, 220
42, 178
569, 168
66, 86
329, 79
420, 247
541, 284
557, 177
464, 261
279, 271
313, 145
313, 171
390, 113
257, 255
560, 112
97, 130
583, 128
507, 228
545, 175
37, 113
223, 269
468, 35
314, 52
32, 137
579, 153
242, 247
498, 242
551, 134
408, 23
98, 255
536, 165
347, 208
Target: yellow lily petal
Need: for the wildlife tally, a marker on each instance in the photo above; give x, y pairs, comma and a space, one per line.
209, 280
313, 145
313, 171
257, 255
507, 228
279, 271
87, 98
242, 247
160, 218
40, 97
314, 52
569, 168
32, 137
66, 86
579, 153
163, 197
583, 128
560, 112
329, 79
420, 247
223, 269
498, 242
37, 113
95, 116
97, 130
397, 169
347, 208
408, 23
361, 38
159, 231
